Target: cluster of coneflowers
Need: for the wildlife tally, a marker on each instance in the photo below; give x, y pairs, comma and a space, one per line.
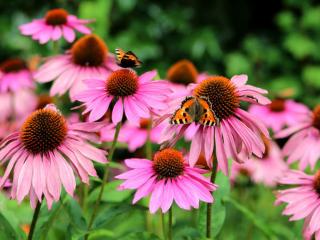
45, 150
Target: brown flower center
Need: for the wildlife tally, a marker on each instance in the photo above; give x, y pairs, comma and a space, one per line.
168, 163
222, 94
12, 65
122, 83
182, 72
43, 131
316, 117
316, 183
43, 101
56, 17
277, 105
90, 50
145, 123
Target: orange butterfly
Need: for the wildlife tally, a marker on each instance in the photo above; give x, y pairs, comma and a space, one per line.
194, 109
127, 59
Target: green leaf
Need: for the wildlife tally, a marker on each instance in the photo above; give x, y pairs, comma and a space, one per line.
311, 75
286, 20
237, 63
257, 222
218, 207
99, 10
6, 230
110, 193
75, 214
140, 236
299, 45
46, 220
109, 214
101, 234
311, 18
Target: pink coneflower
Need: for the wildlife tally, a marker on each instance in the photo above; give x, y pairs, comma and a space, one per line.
167, 178
137, 136
57, 23
237, 130
303, 201
136, 96
180, 75
303, 145
279, 113
13, 105
88, 58
267, 170
45, 153
14, 75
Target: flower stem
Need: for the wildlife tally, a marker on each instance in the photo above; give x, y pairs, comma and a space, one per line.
209, 205
148, 152
56, 47
105, 177
164, 233
34, 220
170, 225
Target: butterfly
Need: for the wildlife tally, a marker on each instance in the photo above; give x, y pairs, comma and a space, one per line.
195, 109
127, 59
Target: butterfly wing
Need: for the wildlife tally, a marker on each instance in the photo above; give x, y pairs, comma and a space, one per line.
207, 117
131, 60
184, 115
120, 54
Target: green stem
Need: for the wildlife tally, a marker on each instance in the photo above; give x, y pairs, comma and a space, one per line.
34, 220
170, 225
55, 47
209, 205
148, 143
105, 177
148, 152
163, 225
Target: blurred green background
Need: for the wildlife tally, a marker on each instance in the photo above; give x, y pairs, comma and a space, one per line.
277, 43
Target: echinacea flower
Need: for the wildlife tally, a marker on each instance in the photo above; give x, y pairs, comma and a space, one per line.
137, 136
132, 95
14, 75
45, 154
167, 178
236, 130
303, 201
266, 170
56, 24
88, 58
13, 105
303, 145
180, 75
279, 113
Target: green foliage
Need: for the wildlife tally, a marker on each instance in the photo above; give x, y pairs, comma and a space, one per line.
6, 230
218, 208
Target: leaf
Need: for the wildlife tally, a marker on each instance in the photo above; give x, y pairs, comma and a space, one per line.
110, 193
237, 63
311, 75
46, 220
75, 214
218, 208
140, 236
286, 20
101, 234
6, 230
109, 214
257, 222
299, 45
98, 10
